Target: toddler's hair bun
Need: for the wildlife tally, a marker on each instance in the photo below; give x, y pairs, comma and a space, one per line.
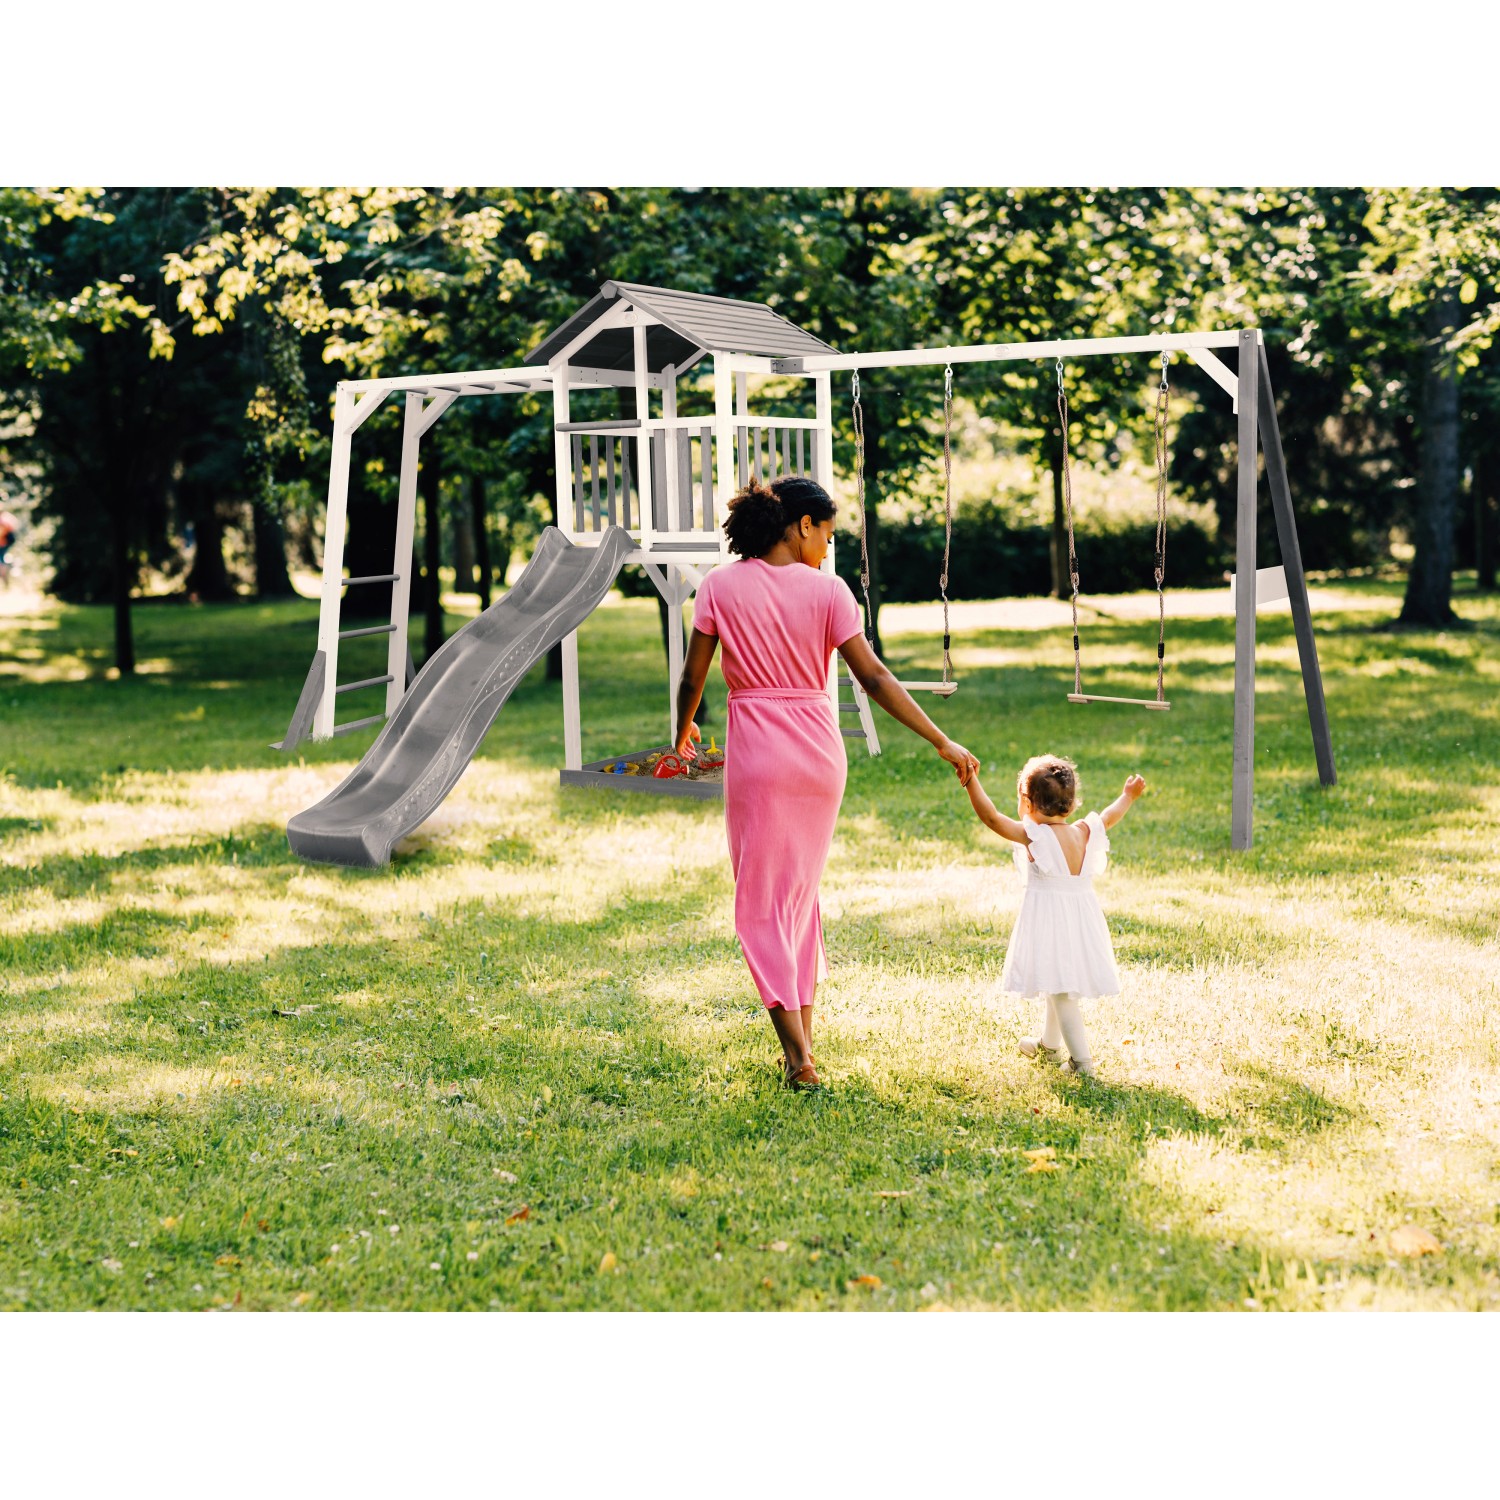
1050, 783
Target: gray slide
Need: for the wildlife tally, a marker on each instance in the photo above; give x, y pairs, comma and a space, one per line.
426, 744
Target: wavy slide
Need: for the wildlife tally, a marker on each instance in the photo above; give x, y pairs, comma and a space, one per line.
424, 747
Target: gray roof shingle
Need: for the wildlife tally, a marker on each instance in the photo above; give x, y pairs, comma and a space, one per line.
689, 322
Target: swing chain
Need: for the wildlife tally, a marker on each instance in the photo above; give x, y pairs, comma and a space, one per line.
859, 493
1162, 396
1067, 490
947, 515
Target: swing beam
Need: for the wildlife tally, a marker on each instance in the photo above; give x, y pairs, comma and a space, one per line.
1249, 388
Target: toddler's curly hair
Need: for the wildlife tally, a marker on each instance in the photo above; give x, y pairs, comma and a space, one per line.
1050, 783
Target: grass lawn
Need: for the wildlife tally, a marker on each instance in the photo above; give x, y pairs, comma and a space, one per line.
524, 1067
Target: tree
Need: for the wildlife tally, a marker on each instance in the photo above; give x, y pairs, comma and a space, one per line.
1435, 252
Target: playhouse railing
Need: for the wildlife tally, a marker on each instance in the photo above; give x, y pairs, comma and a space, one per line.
684, 507
776, 447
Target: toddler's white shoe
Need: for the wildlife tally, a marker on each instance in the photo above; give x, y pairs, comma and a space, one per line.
1081, 1070
1032, 1047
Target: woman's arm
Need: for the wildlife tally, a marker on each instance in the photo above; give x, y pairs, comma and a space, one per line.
700, 656
992, 817
880, 684
1134, 786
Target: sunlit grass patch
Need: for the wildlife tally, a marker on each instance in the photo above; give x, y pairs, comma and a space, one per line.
528, 1055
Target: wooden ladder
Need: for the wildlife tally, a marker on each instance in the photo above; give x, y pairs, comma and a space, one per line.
859, 704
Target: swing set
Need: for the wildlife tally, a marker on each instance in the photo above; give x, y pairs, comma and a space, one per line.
1253, 402
948, 685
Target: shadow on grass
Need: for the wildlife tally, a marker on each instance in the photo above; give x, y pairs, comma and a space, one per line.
505, 1087
68, 876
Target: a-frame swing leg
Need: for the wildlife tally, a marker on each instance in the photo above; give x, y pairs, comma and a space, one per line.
1296, 580
1242, 796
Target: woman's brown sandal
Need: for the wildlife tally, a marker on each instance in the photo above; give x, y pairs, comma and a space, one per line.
806, 1077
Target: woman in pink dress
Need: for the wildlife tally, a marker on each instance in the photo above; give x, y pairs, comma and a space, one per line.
779, 619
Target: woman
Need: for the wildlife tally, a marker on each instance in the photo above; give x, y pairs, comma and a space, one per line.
779, 619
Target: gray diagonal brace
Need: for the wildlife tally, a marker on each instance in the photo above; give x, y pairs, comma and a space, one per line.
307, 705
1296, 579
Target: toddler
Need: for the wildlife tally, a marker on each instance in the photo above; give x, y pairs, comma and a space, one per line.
1060, 949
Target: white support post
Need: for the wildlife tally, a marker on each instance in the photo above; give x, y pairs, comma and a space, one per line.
572, 708
823, 435
723, 446
563, 460
562, 453
676, 596
669, 414
335, 526
643, 437
401, 561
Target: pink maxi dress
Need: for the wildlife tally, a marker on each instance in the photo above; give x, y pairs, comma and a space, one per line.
784, 763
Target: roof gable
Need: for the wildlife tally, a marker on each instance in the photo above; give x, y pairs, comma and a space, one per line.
689, 323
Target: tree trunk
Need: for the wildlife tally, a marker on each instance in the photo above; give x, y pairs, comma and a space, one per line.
272, 581
1062, 585
1429, 585
369, 546
123, 568
479, 527
208, 577
463, 537
1486, 519
430, 481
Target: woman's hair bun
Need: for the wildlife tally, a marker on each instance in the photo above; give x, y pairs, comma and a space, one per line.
760, 514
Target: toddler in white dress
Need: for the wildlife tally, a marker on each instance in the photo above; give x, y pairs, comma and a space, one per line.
1060, 950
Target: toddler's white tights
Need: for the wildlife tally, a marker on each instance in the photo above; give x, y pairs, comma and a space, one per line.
1064, 1024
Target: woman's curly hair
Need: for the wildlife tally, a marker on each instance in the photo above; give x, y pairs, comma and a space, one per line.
1050, 783
760, 514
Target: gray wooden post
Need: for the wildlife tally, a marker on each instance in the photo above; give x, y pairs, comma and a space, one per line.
1296, 580
1242, 798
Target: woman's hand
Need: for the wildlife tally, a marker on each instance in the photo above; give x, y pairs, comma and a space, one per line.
687, 737
964, 764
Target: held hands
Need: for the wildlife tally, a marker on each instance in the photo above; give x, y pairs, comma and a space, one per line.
1134, 786
687, 737
964, 764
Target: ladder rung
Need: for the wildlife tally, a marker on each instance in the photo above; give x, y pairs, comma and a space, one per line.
358, 724
364, 682
348, 635
1129, 702
846, 682
372, 578
848, 708
853, 734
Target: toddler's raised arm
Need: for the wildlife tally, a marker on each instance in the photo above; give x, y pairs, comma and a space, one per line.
991, 816
1134, 786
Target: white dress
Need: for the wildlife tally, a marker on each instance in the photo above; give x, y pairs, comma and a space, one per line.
1061, 943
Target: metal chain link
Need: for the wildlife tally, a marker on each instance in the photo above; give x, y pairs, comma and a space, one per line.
947, 514
1162, 396
1067, 478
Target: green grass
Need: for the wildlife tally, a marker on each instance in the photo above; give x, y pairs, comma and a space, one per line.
531, 1043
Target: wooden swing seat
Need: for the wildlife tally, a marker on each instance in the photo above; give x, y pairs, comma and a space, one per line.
942, 689
1130, 702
